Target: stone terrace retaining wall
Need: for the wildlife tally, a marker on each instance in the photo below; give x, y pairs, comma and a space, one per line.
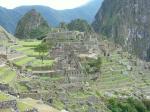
9, 104
31, 110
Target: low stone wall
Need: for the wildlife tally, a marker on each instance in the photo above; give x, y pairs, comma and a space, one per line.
31, 110
42, 68
38, 96
33, 95
4, 87
3, 56
9, 104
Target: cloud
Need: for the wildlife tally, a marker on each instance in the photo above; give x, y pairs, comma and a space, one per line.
56, 4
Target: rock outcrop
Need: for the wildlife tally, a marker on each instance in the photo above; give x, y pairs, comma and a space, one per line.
32, 25
5, 36
126, 22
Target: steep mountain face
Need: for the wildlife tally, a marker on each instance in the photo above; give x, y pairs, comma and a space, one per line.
126, 22
32, 25
53, 17
5, 36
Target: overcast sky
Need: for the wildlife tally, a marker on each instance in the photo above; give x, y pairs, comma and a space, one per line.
56, 4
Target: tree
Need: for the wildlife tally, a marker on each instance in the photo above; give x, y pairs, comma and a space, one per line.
79, 25
42, 49
126, 105
94, 65
63, 25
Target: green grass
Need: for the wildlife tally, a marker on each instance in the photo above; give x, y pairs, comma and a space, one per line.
31, 52
23, 48
23, 61
58, 104
29, 43
57, 78
21, 87
27, 50
2, 70
3, 97
8, 78
27, 47
38, 63
7, 75
112, 74
22, 106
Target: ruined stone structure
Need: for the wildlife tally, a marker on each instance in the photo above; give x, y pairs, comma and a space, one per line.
31, 110
5, 87
68, 46
9, 104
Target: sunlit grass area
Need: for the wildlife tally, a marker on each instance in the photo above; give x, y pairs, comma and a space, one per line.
23, 61
23, 106
39, 62
29, 43
7, 75
3, 97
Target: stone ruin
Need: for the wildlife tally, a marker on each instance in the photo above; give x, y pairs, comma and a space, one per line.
69, 63
12, 104
4, 87
31, 110
66, 51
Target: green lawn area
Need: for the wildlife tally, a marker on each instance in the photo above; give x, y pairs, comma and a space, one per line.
38, 63
3, 97
28, 47
28, 51
2, 70
31, 52
21, 87
23, 61
22, 106
23, 48
7, 75
29, 43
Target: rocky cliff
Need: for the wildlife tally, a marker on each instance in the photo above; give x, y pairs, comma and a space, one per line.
5, 36
126, 22
32, 25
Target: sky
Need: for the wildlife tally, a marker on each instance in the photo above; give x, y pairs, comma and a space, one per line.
56, 4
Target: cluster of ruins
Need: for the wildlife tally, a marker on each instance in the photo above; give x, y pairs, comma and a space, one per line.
69, 49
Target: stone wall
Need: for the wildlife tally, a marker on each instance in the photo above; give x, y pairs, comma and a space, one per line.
31, 110
4, 87
9, 104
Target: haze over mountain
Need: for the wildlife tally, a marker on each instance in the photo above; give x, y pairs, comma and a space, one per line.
54, 17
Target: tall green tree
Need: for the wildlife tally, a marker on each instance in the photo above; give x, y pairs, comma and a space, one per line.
63, 25
79, 25
42, 49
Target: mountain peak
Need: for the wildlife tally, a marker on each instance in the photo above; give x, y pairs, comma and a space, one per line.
32, 23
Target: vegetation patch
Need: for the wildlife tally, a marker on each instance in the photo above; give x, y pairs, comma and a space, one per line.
127, 105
